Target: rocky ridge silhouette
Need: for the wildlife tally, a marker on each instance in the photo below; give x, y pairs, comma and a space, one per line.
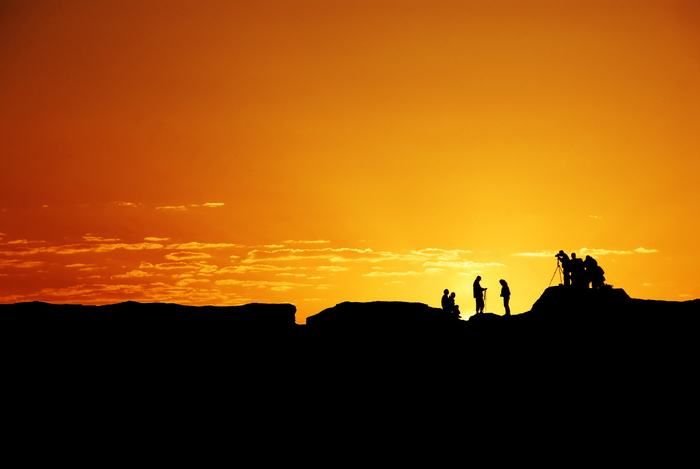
560, 314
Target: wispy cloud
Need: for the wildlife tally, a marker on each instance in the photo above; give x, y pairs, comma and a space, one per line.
81, 248
20, 264
277, 286
177, 266
244, 269
535, 254
23, 241
128, 204
208, 269
315, 241
24, 250
145, 292
392, 274
197, 245
83, 267
333, 254
179, 208
189, 281
604, 252
186, 255
410, 273
587, 252
98, 239
462, 264
332, 268
441, 254
133, 274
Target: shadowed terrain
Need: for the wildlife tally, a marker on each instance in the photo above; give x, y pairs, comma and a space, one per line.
571, 320
576, 359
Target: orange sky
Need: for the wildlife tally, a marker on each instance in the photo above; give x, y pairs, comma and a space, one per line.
314, 152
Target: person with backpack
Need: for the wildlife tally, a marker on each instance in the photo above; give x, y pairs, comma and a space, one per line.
505, 293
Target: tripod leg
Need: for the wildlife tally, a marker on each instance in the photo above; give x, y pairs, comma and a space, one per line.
555, 273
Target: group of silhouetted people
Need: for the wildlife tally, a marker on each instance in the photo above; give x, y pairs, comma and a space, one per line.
577, 272
448, 299
580, 273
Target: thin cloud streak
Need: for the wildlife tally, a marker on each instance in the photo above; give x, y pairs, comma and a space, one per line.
587, 252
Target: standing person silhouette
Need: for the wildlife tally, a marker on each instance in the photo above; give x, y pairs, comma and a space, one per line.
446, 300
505, 293
479, 295
578, 272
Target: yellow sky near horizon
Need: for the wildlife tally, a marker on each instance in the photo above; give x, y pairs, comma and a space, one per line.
314, 152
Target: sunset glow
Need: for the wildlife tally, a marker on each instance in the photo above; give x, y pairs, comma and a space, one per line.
315, 152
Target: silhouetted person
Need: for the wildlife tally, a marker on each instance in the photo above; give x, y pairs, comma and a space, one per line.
479, 295
505, 293
594, 273
589, 265
446, 300
451, 302
578, 272
565, 266
456, 312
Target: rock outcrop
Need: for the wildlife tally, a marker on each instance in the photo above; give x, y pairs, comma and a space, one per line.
381, 315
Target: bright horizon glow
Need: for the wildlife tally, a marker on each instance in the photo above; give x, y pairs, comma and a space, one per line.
315, 152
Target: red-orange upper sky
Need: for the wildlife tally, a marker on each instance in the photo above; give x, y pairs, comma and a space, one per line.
313, 152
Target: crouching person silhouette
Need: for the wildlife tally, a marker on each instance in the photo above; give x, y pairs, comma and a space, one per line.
445, 301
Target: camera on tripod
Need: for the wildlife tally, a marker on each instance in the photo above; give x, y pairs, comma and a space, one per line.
561, 258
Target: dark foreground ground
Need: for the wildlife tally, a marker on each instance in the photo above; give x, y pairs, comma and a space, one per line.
582, 377
564, 327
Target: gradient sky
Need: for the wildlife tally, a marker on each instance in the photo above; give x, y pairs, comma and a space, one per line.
314, 152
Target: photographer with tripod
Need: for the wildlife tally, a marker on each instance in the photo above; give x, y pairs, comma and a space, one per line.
564, 262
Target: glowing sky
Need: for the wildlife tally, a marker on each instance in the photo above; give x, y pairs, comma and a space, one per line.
314, 152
